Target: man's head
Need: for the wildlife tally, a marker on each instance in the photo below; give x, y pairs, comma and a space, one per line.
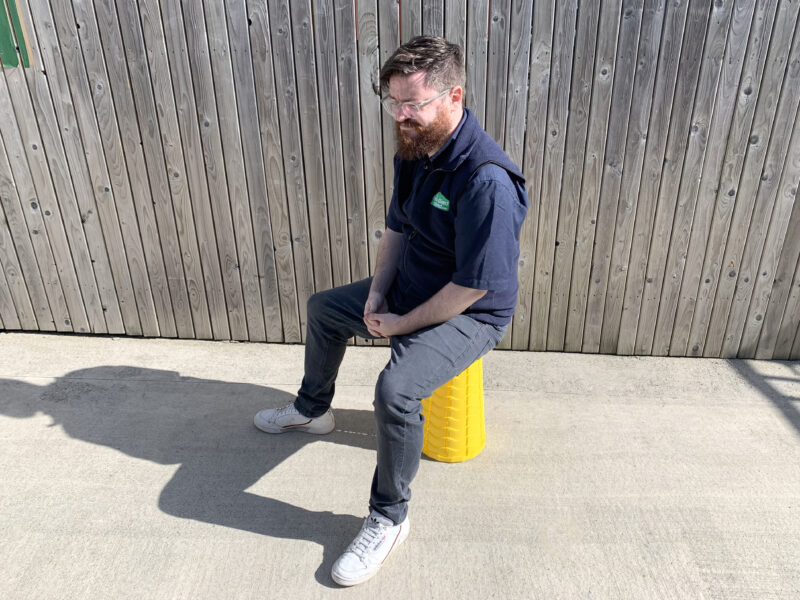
422, 85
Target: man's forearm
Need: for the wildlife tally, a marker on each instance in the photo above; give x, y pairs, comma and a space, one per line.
451, 300
386, 266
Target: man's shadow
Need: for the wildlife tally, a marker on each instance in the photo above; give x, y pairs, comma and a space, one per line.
206, 427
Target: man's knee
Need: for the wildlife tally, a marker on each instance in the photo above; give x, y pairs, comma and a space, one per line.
395, 395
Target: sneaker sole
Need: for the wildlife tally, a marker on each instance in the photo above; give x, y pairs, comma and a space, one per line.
273, 429
343, 581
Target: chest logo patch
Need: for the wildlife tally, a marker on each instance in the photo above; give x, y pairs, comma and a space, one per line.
440, 202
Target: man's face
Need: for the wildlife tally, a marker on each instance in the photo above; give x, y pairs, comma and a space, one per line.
424, 132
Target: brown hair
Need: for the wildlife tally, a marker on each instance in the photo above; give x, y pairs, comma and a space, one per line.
442, 61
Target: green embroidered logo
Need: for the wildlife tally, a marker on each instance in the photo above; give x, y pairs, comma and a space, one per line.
440, 202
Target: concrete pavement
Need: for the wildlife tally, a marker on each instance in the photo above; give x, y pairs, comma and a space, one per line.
131, 469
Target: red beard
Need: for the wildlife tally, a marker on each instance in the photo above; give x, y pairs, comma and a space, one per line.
426, 141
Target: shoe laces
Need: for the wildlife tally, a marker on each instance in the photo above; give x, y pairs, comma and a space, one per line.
368, 537
289, 409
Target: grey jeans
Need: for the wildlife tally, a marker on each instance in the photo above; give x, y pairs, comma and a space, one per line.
420, 362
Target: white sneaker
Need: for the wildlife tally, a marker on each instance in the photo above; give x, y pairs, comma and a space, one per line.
365, 555
286, 418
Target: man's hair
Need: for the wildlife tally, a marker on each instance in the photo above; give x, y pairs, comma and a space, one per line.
442, 62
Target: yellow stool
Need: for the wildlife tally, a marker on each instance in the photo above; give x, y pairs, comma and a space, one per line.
454, 427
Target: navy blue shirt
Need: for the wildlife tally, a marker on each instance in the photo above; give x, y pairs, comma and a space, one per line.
460, 213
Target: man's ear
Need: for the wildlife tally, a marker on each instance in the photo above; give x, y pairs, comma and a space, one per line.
457, 95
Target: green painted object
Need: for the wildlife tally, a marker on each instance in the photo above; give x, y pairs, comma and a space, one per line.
12, 36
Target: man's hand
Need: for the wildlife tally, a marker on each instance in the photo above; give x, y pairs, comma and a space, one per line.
376, 304
387, 324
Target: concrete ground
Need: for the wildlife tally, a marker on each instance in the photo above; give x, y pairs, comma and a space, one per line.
131, 469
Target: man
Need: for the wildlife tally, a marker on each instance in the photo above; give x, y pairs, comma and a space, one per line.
443, 292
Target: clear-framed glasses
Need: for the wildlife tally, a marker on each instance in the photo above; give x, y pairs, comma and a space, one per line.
408, 108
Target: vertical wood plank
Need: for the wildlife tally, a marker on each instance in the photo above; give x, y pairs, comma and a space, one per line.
247, 105
24, 284
497, 69
754, 202
767, 252
533, 164
653, 168
372, 134
726, 189
574, 156
557, 125
353, 160
319, 215
331, 138
602, 86
8, 314
693, 158
635, 152
433, 17
26, 225
476, 55
186, 107
679, 132
733, 63
286, 259
516, 102
211, 138
280, 30
455, 23
233, 156
410, 18
786, 344
780, 290
133, 152
613, 162
145, 105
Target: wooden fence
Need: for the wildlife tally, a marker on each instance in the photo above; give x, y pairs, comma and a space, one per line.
197, 169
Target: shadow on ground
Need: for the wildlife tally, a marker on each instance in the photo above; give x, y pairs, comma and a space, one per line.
205, 427
775, 388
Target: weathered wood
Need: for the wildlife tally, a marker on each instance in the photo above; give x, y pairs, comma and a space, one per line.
780, 290
602, 86
635, 153
433, 17
575, 152
244, 86
26, 225
497, 69
44, 210
331, 139
781, 239
693, 160
280, 29
713, 268
20, 287
669, 123
733, 63
57, 200
516, 99
533, 164
287, 261
455, 22
133, 150
557, 124
786, 347
621, 98
233, 155
145, 103
353, 160
476, 55
758, 188
410, 17
216, 177
8, 314
662, 222
186, 107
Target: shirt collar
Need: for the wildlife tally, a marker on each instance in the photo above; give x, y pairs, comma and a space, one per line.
451, 138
